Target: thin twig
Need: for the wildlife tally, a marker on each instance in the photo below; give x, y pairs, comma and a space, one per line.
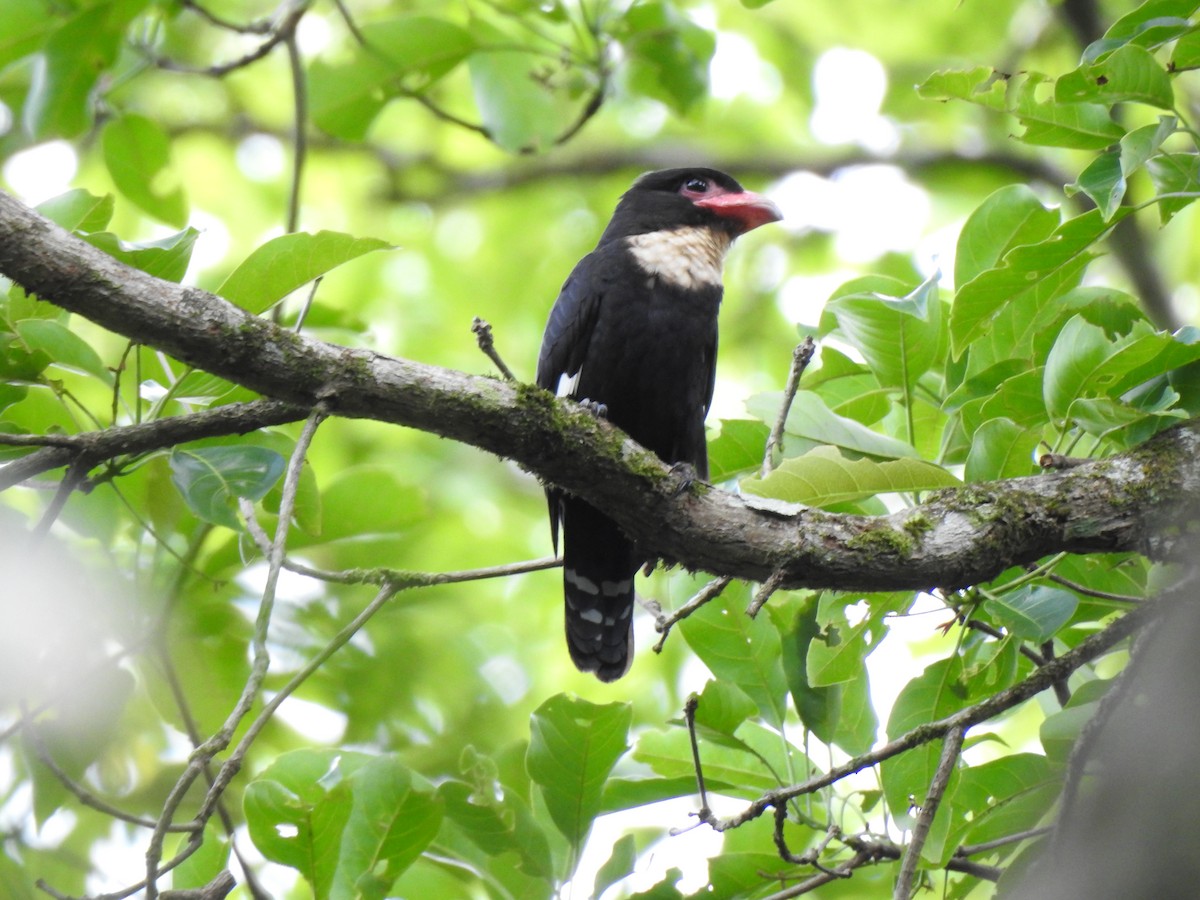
260, 661
951, 747
664, 624
82, 794
975, 849
483, 337
769, 587
801, 357
689, 714
74, 478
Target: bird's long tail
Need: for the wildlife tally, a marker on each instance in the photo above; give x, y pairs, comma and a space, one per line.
599, 563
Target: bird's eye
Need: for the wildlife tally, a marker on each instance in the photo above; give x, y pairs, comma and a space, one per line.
695, 185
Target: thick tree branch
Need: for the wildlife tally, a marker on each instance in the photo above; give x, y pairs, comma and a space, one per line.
1131, 502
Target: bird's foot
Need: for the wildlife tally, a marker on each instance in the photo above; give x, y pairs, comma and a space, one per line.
687, 475
595, 407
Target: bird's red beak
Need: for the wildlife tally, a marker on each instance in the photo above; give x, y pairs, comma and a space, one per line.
747, 209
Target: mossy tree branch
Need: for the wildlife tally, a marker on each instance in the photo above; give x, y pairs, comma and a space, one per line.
1136, 501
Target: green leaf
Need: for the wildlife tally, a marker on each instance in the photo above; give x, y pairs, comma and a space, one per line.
137, 153
1000, 448
517, 108
899, 337
63, 346
1175, 173
814, 423
618, 866
722, 706
166, 258
1008, 795
936, 693
1010, 217
837, 653
736, 764
294, 819
210, 479
666, 54
1128, 74
1153, 23
1104, 181
1085, 362
573, 747
73, 59
402, 55
391, 823
498, 821
982, 85
1033, 612
26, 26
78, 210
1186, 54
350, 823
287, 262
740, 649
737, 449
1050, 123
823, 477
1031, 273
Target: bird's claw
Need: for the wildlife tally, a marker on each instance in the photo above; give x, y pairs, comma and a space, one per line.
595, 407
687, 475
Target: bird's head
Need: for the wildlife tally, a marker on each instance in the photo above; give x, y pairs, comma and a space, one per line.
674, 198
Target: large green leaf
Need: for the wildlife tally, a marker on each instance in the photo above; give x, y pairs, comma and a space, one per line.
212, 478
1033, 612
823, 477
79, 210
1129, 73
1010, 217
737, 449
811, 423
350, 823
165, 258
70, 64
1177, 174
899, 337
137, 153
518, 109
935, 693
287, 262
740, 649
573, 747
1037, 272
1000, 448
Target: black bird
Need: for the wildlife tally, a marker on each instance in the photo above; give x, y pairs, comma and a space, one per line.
634, 334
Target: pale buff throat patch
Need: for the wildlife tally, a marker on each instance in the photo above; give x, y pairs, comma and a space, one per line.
686, 258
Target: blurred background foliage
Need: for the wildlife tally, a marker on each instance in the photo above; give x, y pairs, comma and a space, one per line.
487, 174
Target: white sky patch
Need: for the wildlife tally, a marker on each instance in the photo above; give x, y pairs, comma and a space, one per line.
737, 69
313, 34
313, 721
871, 210
42, 172
849, 86
260, 157
6, 119
212, 245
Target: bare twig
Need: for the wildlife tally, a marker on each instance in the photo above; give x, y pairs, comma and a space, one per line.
260, 661
951, 747
217, 889
769, 587
987, 846
276, 35
483, 337
710, 591
82, 794
689, 714
801, 357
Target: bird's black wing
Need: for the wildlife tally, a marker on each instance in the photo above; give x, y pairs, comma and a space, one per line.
564, 348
